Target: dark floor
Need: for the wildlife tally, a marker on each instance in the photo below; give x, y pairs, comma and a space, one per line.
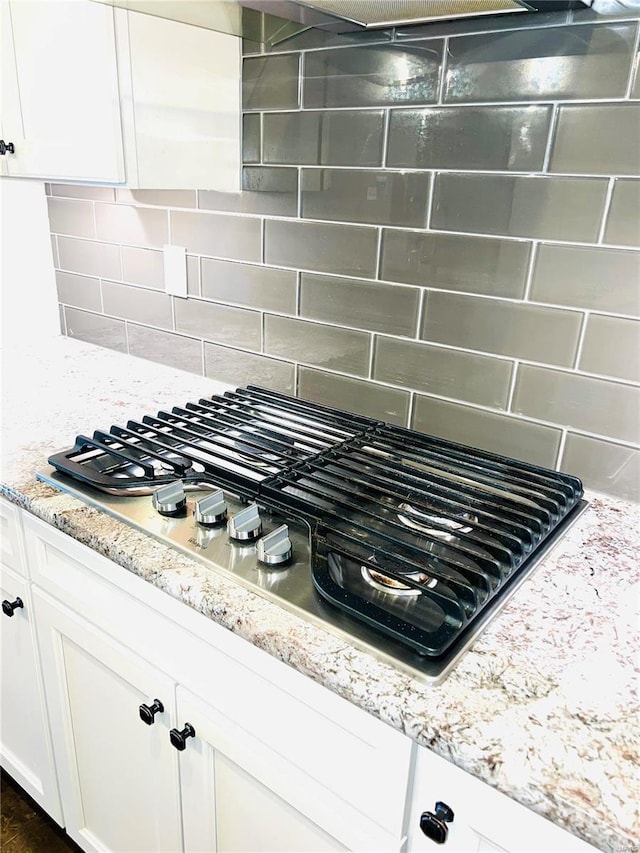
25, 828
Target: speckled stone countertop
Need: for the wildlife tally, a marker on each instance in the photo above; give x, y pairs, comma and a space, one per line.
544, 706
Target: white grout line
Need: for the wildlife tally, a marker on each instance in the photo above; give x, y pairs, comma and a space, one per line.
512, 385
298, 292
372, 348
443, 72
550, 138
635, 69
432, 190
301, 70
581, 337
605, 211
263, 240
563, 441
422, 308
529, 277
378, 271
412, 398
299, 194
386, 121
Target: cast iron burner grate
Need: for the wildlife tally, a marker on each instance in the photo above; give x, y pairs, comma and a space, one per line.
411, 534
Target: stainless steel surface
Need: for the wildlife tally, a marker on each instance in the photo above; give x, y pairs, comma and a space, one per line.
212, 509
291, 586
245, 525
274, 549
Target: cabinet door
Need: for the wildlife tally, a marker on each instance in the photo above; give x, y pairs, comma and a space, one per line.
118, 776
65, 60
25, 747
484, 820
241, 807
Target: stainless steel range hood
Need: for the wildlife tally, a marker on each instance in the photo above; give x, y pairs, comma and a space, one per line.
341, 16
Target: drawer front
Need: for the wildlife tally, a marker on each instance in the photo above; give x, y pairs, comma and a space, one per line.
11, 551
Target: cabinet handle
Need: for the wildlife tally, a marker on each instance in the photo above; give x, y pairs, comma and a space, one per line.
178, 738
434, 825
9, 606
7, 146
148, 712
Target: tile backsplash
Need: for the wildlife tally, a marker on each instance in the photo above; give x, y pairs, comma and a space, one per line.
440, 228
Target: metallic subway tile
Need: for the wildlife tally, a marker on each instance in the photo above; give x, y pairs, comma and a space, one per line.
219, 323
251, 138
603, 465
502, 138
251, 285
447, 372
602, 139
270, 82
162, 198
235, 237
497, 433
601, 406
119, 223
96, 329
588, 277
265, 189
561, 62
331, 138
456, 262
135, 303
612, 347
71, 216
165, 348
354, 395
78, 291
522, 330
343, 249
381, 198
345, 350
143, 266
243, 368
373, 75
85, 256
520, 206
623, 221
366, 305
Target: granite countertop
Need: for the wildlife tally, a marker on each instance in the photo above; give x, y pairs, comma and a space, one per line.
544, 706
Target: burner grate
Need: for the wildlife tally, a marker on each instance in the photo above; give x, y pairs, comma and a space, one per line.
411, 534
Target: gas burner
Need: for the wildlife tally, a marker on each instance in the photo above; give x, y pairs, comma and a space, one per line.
384, 583
418, 519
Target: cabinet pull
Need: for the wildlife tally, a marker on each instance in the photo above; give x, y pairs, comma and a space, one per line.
434, 824
6, 146
9, 606
148, 712
179, 738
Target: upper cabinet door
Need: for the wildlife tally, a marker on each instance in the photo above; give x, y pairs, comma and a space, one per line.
181, 105
65, 59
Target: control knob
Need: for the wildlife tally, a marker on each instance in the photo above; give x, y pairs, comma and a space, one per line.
274, 549
211, 510
170, 499
246, 525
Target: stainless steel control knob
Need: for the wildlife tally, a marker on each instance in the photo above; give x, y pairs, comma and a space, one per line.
246, 525
274, 549
212, 509
170, 499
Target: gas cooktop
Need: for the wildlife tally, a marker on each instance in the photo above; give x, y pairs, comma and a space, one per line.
405, 544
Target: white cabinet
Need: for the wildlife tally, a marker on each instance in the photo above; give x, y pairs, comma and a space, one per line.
92, 93
484, 820
118, 776
25, 746
275, 761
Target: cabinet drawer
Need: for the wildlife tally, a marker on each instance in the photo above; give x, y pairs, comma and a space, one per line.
11, 552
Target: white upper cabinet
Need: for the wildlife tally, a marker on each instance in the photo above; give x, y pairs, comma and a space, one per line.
92, 93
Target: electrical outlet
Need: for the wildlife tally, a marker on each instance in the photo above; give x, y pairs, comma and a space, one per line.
175, 270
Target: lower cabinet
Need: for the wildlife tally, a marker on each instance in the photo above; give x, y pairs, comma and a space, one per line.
25, 744
140, 725
118, 776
